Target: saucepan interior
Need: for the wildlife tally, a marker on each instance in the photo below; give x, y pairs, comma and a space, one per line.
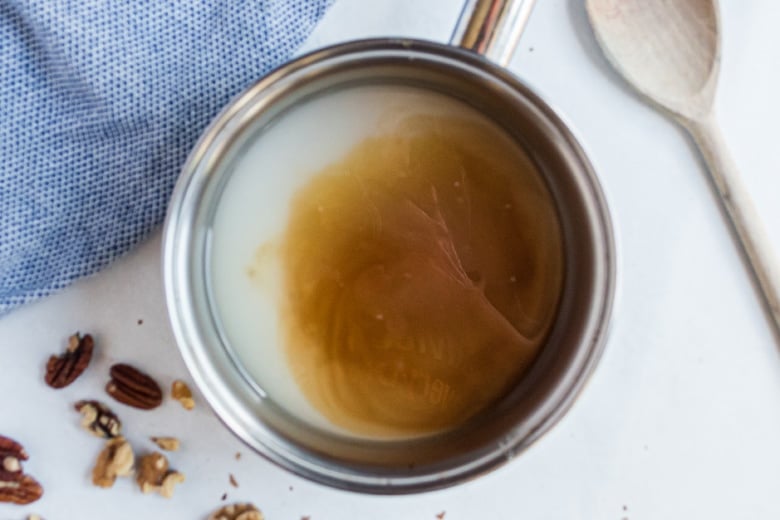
556, 376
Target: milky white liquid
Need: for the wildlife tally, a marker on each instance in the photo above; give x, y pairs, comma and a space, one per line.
254, 207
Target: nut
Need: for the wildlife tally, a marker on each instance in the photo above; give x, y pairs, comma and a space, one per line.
63, 370
166, 443
169, 482
154, 475
98, 419
11, 454
23, 491
237, 512
132, 387
116, 460
15, 486
182, 393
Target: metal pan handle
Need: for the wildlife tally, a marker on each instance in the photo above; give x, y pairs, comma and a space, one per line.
492, 27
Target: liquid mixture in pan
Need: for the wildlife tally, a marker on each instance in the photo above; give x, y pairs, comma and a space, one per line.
413, 276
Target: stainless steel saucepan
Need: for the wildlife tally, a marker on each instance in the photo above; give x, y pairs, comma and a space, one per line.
470, 69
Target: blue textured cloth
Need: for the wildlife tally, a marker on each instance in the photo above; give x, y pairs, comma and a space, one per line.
100, 102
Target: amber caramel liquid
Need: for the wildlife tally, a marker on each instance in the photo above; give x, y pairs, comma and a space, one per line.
420, 276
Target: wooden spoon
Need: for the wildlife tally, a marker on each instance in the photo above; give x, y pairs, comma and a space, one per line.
670, 52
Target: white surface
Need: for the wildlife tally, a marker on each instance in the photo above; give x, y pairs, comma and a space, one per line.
682, 417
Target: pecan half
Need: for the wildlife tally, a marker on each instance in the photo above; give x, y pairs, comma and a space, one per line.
98, 419
11, 456
182, 393
63, 370
132, 387
154, 475
237, 512
116, 460
15, 486
11, 448
23, 491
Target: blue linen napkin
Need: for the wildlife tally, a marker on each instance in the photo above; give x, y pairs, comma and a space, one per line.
100, 102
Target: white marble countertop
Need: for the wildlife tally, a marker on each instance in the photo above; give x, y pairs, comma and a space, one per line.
681, 418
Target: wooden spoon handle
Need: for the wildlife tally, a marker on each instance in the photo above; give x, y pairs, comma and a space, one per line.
740, 209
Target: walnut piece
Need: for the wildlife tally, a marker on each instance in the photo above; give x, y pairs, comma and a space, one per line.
116, 460
169, 482
98, 419
237, 512
63, 370
182, 393
166, 443
154, 475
